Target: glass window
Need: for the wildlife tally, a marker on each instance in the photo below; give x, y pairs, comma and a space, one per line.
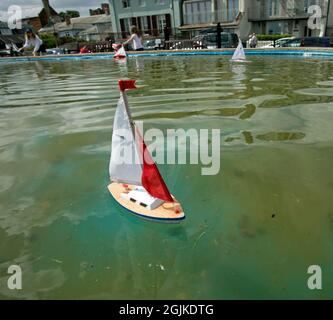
232, 9
144, 23
142, 3
161, 22
126, 3
196, 12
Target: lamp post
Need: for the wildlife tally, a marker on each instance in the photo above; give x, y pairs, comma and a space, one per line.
328, 15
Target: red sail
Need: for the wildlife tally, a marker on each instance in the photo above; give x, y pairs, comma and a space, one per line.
151, 178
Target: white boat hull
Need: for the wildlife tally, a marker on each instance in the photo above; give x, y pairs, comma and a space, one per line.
168, 212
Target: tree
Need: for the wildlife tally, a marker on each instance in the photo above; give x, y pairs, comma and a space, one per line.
49, 40
69, 13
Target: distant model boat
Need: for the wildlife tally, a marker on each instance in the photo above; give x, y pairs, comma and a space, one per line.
239, 54
119, 51
137, 185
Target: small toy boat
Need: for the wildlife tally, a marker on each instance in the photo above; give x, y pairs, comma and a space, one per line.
119, 51
239, 54
136, 183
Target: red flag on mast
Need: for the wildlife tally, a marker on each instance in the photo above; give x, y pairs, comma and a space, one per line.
151, 178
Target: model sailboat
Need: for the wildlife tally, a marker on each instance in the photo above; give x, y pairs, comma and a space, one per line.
136, 182
119, 51
239, 54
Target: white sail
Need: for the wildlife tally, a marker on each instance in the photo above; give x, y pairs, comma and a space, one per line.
121, 52
125, 165
239, 54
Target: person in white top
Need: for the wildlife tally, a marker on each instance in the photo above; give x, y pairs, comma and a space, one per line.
33, 41
135, 39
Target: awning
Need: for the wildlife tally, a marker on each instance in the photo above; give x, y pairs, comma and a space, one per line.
11, 39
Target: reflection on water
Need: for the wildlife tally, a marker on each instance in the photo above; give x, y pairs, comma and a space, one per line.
251, 231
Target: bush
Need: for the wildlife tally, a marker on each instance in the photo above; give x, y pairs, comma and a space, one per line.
49, 40
272, 37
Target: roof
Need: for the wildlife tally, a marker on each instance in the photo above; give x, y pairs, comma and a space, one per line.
81, 23
92, 30
100, 18
62, 26
11, 39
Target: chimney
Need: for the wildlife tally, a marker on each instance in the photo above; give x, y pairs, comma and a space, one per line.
106, 8
46, 5
68, 20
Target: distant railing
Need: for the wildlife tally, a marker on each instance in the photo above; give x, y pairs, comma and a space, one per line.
183, 45
282, 10
198, 18
222, 16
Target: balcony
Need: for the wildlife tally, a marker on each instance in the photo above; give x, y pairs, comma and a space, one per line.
283, 9
210, 17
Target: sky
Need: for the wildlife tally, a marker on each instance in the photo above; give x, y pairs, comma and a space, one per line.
82, 6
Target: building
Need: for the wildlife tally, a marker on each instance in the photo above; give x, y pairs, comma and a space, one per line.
104, 9
231, 14
150, 16
9, 36
290, 17
89, 28
39, 16
238, 16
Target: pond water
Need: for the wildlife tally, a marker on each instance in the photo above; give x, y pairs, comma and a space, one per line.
251, 231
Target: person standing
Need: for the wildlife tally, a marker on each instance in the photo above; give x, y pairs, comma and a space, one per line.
135, 39
218, 35
253, 40
33, 41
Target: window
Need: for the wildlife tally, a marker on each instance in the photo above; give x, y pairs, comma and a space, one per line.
160, 2
232, 9
196, 12
144, 23
309, 3
128, 24
142, 3
161, 22
6, 32
126, 3
274, 8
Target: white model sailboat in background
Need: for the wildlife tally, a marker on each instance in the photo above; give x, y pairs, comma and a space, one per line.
136, 183
239, 54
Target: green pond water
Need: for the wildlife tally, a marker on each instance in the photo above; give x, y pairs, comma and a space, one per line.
251, 231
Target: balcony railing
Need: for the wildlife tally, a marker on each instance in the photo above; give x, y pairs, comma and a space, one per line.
198, 18
282, 9
206, 17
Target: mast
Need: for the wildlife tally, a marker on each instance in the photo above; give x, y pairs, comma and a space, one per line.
123, 85
151, 178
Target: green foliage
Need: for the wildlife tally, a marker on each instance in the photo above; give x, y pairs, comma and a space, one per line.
69, 13
49, 40
268, 37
